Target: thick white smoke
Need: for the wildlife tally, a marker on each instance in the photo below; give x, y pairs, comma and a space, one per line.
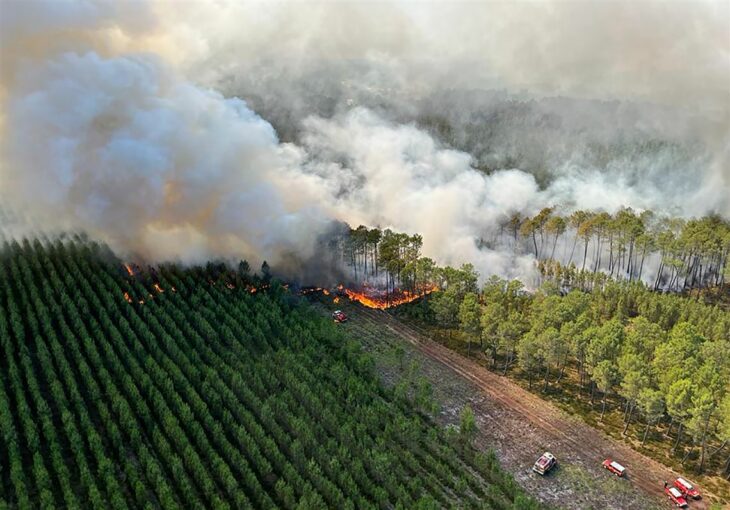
111, 123
125, 149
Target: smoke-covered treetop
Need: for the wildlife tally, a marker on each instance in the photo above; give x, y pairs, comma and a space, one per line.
190, 131
581, 250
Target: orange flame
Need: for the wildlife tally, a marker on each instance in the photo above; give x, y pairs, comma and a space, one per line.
336, 299
158, 288
173, 289
129, 269
382, 300
127, 297
313, 290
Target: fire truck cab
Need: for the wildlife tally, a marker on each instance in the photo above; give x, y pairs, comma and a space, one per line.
675, 496
339, 316
545, 463
614, 467
687, 489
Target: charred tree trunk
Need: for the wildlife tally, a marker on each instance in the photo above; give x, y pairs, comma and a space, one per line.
629, 264
659, 272
641, 266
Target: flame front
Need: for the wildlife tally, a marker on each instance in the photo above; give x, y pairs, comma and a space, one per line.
129, 269
127, 297
254, 290
382, 300
372, 297
158, 288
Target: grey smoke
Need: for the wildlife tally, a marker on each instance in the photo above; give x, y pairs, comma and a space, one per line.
188, 131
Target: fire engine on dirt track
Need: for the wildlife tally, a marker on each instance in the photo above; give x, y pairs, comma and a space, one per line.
339, 316
687, 489
614, 467
545, 463
675, 496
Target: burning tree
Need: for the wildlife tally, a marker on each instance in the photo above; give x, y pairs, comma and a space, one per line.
387, 259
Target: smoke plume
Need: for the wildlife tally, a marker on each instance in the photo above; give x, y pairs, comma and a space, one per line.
189, 131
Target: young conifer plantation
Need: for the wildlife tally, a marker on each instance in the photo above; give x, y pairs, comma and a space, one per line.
185, 388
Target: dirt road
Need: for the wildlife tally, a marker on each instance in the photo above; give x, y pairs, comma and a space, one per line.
520, 426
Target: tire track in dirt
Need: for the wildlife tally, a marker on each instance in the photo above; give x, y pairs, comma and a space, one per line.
586, 443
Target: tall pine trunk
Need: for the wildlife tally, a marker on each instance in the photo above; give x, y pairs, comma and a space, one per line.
679, 437
703, 443
572, 250
646, 432
628, 422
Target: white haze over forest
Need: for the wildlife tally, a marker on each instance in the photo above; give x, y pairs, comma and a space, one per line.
196, 130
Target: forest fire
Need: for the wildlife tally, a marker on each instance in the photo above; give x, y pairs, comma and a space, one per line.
127, 297
370, 296
129, 269
380, 299
158, 288
312, 290
254, 290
